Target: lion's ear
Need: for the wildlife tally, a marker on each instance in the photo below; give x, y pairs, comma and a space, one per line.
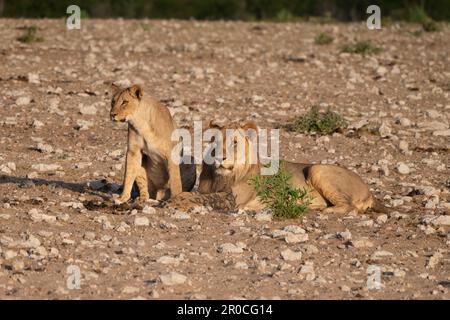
250, 125
115, 88
136, 91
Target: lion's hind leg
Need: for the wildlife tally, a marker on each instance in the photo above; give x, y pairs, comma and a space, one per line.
322, 180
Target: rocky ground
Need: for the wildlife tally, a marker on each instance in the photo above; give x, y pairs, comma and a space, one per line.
59, 150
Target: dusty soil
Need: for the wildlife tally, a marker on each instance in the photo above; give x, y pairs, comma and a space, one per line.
59, 150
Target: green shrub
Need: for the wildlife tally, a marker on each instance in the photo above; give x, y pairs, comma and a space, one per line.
361, 47
277, 194
324, 38
319, 122
419, 15
30, 35
284, 15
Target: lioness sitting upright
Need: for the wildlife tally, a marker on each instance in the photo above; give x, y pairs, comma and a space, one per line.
332, 188
148, 160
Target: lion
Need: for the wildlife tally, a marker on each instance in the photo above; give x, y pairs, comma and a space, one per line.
148, 158
333, 188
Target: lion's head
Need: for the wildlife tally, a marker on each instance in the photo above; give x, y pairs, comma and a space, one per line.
125, 102
233, 156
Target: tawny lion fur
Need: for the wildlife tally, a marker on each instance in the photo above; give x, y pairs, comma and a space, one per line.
148, 159
334, 189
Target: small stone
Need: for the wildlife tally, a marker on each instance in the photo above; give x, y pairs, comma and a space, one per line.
33, 78
403, 168
290, 255
172, 278
23, 101
180, 215
9, 254
148, 210
345, 235
87, 110
141, 222
441, 221
37, 124
294, 229
362, 243
403, 146
241, 265
345, 288
308, 270
168, 260
83, 125
381, 254
434, 260
263, 216
385, 130
45, 167
130, 290
44, 148
381, 219
231, 248
296, 238
442, 133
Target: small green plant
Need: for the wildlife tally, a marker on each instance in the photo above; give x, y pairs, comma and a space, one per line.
30, 35
277, 194
285, 15
324, 38
319, 122
144, 26
419, 15
361, 47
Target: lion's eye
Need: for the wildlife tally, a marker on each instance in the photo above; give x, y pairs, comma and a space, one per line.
124, 103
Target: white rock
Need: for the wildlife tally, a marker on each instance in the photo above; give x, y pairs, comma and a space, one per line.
130, 290
148, 210
241, 265
381, 219
34, 78
402, 168
37, 124
141, 221
434, 260
45, 148
231, 248
263, 216
385, 130
45, 167
296, 238
23, 101
83, 124
344, 235
172, 278
442, 133
180, 215
403, 146
168, 260
362, 243
294, 229
87, 110
441, 221
290, 255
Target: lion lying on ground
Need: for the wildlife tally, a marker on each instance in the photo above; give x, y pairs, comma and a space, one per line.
334, 189
148, 160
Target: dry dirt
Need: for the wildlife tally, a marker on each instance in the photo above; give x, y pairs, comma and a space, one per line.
59, 150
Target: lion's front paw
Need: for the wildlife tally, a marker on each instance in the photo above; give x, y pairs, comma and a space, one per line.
121, 200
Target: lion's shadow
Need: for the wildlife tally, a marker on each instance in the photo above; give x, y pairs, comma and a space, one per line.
101, 188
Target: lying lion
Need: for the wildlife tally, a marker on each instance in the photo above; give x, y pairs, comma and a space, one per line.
148, 161
334, 189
